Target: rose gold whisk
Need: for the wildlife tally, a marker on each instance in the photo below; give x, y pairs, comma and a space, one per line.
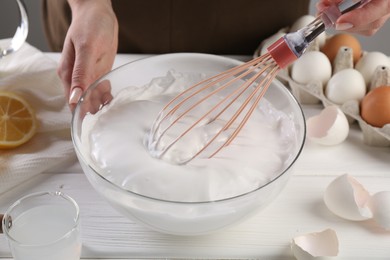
245, 85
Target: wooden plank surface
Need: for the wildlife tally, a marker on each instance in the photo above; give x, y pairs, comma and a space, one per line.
298, 210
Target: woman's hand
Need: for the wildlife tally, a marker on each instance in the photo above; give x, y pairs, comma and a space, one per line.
366, 20
90, 46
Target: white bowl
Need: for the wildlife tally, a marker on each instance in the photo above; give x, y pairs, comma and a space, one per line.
178, 217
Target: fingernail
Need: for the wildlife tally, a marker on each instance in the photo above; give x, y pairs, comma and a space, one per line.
75, 95
343, 26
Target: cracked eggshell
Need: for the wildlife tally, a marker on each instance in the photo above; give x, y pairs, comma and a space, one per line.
319, 245
380, 207
330, 127
348, 199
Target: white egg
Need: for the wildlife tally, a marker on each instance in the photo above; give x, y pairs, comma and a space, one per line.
330, 127
345, 85
369, 62
302, 22
348, 199
380, 207
319, 245
311, 66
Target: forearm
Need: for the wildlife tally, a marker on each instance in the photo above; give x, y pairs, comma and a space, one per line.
90, 46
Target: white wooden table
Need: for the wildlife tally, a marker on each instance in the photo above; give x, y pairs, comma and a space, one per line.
298, 210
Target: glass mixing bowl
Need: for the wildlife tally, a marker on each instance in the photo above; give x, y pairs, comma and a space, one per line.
178, 217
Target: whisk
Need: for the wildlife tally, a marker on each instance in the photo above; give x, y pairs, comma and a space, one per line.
233, 95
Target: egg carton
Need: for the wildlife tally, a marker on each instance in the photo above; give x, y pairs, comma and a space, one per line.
312, 93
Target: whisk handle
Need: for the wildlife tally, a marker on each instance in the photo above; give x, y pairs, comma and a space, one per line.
330, 15
348, 5
290, 47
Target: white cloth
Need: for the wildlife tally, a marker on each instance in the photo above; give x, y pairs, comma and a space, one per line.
32, 74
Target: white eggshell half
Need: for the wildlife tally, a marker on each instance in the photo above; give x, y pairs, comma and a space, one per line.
368, 63
345, 85
380, 207
330, 127
311, 66
348, 199
319, 245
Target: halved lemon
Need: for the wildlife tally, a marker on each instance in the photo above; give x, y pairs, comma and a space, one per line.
18, 122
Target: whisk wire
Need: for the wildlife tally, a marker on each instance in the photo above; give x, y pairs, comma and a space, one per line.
241, 90
243, 69
260, 87
244, 87
255, 69
210, 82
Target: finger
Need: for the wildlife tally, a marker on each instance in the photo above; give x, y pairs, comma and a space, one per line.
82, 74
369, 29
322, 5
366, 16
88, 73
102, 94
75, 95
65, 67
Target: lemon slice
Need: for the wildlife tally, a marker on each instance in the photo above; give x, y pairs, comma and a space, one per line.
18, 123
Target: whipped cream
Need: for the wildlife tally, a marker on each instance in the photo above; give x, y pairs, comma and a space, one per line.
114, 140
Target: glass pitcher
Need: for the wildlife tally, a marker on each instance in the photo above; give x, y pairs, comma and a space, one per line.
10, 45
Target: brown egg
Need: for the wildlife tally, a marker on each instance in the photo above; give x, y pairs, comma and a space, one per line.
334, 43
375, 107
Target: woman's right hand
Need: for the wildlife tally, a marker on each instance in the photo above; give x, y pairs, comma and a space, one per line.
366, 20
90, 46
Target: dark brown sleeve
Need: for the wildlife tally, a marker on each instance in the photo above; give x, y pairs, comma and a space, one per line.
209, 26
56, 18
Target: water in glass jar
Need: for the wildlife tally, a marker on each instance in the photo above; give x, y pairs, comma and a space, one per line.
45, 232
